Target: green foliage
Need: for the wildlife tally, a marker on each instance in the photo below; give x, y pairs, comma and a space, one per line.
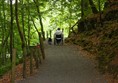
54, 13
100, 40
4, 69
7, 66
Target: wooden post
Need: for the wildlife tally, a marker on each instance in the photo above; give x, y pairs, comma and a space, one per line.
31, 66
34, 54
39, 55
36, 58
13, 66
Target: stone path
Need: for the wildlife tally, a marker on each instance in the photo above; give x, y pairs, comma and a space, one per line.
64, 64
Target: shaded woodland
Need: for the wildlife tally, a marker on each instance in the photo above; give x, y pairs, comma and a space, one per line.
25, 24
97, 34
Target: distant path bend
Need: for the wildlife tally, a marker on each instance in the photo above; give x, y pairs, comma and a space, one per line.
64, 64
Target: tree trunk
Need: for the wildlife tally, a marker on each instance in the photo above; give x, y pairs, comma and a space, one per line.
11, 30
13, 66
31, 53
82, 9
69, 30
22, 14
40, 18
28, 25
41, 45
99, 2
93, 8
40, 40
50, 34
70, 16
22, 40
3, 32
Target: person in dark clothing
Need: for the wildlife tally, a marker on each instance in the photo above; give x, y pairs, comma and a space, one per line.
58, 37
50, 41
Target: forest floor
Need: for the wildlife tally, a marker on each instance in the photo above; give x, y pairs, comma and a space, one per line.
63, 64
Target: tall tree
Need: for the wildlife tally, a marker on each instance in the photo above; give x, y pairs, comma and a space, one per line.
70, 17
22, 39
11, 29
99, 6
29, 29
3, 30
28, 24
40, 40
40, 18
23, 16
93, 8
82, 9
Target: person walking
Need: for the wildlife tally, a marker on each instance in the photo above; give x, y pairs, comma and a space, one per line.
58, 37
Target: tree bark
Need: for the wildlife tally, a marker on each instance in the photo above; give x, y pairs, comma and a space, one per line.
70, 16
13, 66
11, 30
3, 24
28, 25
31, 53
40, 18
40, 40
22, 39
93, 8
82, 9
100, 17
50, 33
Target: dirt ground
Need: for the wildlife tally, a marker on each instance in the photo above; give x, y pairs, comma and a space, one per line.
65, 64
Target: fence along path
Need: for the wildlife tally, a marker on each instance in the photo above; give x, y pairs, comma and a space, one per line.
65, 64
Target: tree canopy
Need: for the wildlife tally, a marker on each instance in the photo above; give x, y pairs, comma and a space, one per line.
22, 20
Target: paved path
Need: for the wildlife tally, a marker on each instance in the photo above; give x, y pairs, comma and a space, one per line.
64, 64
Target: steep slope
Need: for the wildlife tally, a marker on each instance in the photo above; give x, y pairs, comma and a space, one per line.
99, 36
